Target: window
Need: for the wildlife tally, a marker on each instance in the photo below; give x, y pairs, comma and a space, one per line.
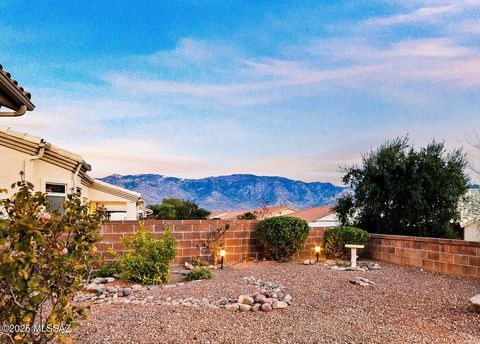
56, 194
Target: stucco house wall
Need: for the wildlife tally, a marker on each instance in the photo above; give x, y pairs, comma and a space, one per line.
22, 158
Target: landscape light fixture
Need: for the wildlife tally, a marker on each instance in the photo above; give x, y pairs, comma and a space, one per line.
317, 251
222, 254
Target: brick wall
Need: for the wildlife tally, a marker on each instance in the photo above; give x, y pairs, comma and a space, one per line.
240, 242
457, 257
442, 255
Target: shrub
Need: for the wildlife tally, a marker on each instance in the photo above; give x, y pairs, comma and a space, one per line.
215, 241
282, 236
199, 261
334, 241
147, 260
43, 259
108, 270
199, 273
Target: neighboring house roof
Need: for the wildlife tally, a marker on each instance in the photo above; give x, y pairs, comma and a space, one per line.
260, 212
12, 95
115, 190
313, 214
31, 145
275, 209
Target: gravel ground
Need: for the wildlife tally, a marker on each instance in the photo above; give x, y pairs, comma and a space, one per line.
406, 305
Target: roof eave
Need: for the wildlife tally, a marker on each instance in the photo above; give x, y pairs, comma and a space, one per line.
15, 93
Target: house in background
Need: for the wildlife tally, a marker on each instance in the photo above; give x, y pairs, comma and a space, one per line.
13, 96
260, 213
318, 217
57, 172
470, 216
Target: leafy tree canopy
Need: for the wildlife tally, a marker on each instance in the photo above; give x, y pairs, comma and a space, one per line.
406, 191
178, 209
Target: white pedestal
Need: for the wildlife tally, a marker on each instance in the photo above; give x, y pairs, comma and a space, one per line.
353, 249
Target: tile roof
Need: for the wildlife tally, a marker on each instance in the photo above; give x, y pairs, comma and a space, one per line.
16, 92
260, 212
313, 214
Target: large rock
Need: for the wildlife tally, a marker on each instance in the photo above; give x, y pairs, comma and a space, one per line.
232, 308
189, 266
256, 307
261, 299
127, 291
373, 266
475, 303
112, 290
279, 305
266, 307
246, 300
244, 308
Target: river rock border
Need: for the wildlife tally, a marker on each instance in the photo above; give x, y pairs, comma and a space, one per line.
269, 297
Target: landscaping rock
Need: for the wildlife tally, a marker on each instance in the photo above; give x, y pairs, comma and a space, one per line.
112, 290
110, 279
244, 299
189, 266
127, 291
475, 303
232, 308
279, 305
256, 307
244, 307
373, 266
287, 298
266, 307
99, 280
361, 281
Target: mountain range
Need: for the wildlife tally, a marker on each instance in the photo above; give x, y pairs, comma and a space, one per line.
232, 192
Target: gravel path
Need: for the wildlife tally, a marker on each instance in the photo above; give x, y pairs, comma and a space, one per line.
406, 305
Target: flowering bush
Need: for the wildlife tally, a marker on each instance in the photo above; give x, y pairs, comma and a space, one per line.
43, 259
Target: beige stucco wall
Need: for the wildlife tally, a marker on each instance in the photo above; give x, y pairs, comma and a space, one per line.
38, 173
11, 163
472, 231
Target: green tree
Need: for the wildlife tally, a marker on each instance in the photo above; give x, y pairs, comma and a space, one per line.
400, 190
178, 209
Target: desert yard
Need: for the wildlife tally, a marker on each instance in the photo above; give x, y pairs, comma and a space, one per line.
405, 305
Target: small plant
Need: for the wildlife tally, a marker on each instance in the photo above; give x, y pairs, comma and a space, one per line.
282, 236
199, 273
199, 261
110, 269
334, 241
147, 260
43, 259
215, 240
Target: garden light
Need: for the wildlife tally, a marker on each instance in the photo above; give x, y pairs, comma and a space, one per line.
317, 250
222, 254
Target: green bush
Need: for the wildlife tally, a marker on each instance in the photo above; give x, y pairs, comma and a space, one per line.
282, 236
199, 273
199, 261
334, 241
43, 259
147, 260
108, 270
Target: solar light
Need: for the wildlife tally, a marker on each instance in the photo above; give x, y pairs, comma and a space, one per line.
222, 254
317, 250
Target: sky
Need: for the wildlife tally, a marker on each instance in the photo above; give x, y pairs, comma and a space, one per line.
200, 88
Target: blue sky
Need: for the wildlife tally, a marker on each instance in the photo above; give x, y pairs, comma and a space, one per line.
199, 88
